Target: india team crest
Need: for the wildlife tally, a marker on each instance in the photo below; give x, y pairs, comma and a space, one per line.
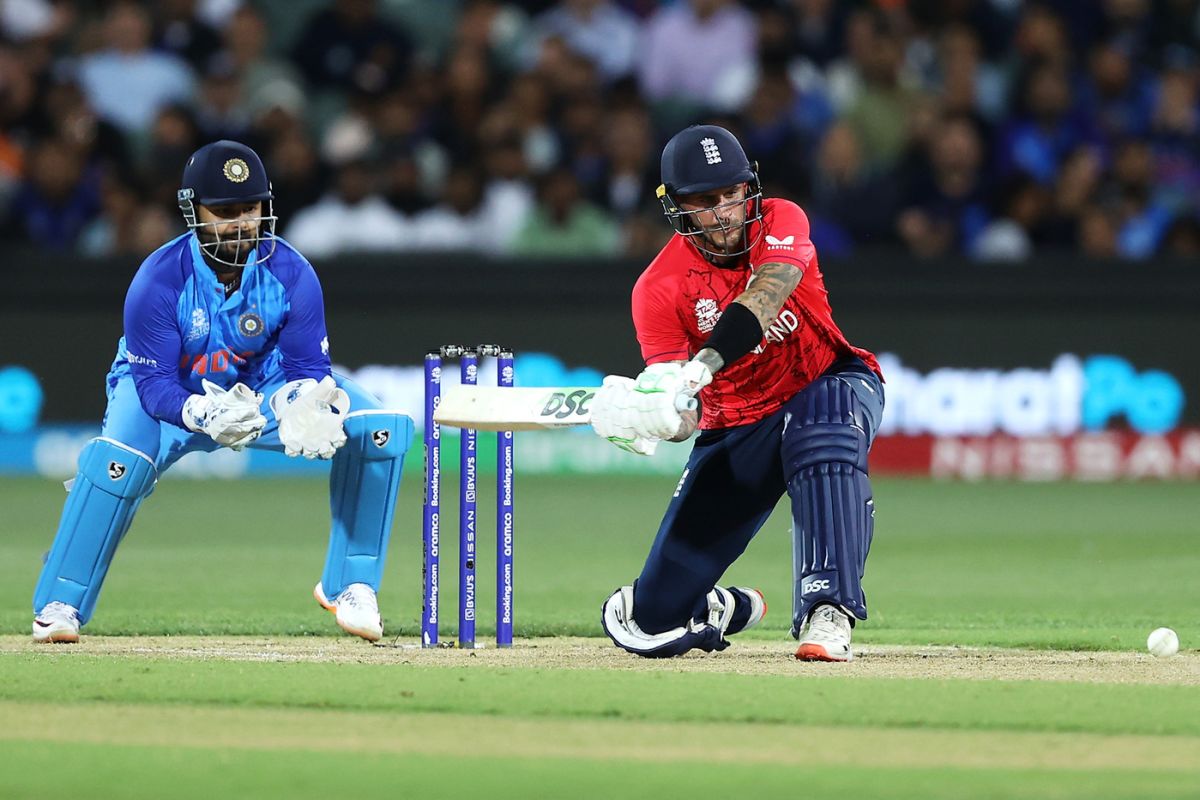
236, 170
707, 314
250, 325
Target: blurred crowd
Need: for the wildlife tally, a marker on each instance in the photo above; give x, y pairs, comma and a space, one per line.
982, 129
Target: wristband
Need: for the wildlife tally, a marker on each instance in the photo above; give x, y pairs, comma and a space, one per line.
736, 333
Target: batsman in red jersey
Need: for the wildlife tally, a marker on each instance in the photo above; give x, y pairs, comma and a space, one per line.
733, 313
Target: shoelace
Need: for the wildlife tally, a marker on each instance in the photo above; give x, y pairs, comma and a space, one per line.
57, 609
825, 622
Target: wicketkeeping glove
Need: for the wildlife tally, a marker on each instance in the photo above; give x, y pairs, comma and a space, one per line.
230, 417
310, 415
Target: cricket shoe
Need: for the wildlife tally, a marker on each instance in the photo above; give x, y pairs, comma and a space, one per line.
56, 622
749, 608
356, 609
827, 637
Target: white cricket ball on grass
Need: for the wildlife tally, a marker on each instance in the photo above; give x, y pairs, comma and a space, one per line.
1163, 642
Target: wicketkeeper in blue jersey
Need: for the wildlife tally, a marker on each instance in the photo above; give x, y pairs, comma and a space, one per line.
216, 320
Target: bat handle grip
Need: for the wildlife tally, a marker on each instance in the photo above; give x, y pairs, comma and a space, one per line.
685, 403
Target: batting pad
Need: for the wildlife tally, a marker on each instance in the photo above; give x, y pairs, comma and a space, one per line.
363, 484
825, 461
113, 479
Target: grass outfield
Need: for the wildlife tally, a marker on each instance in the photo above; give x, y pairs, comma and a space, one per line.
239, 686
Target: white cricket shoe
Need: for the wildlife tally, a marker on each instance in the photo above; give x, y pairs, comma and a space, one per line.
56, 622
356, 609
827, 637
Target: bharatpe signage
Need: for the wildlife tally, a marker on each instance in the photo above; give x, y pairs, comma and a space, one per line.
1096, 417
1073, 394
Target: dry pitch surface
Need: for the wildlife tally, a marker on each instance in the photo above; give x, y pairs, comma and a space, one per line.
440, 735
755, 657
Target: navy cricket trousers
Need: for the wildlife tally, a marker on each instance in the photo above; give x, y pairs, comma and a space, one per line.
732, 482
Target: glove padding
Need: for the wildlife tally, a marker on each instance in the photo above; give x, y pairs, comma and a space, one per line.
614, 415
310, 415
636, 414
230, 417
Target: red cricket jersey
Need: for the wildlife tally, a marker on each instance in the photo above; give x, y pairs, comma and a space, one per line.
679, 298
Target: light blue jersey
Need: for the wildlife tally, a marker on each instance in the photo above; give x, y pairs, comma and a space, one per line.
180, 328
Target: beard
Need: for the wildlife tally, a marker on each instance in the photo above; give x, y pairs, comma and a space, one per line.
227, 249
723, 240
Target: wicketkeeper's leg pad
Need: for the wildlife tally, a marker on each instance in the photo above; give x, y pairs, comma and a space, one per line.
825, 444
704, 634
113, 479
363, 483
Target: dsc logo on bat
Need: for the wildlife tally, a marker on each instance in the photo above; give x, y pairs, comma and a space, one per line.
561, 405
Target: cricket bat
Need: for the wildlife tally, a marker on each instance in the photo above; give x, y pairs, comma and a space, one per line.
506, 408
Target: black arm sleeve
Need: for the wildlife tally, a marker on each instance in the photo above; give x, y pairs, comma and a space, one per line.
736, 333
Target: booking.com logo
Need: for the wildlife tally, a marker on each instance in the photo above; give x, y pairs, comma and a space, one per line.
1073, 394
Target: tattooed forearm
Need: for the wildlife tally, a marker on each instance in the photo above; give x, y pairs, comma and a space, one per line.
711, 359
769, 290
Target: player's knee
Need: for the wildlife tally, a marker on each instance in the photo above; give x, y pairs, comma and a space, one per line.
617, 619
378, 435
824, 424
116, 468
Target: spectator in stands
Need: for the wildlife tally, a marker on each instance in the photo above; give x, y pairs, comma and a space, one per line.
819, 31
1018, 219
850, 202
880, 108
460, 220
1074, 191
298, 177
1175, 137
173, 138
946, 211
1144, 216
690, 46
180, 32
68, 117
631, 171
1044, 131
768, 129
58, 198
127, 82
263, 76
507, 193
1119, 95
563, 222
967, 84
223, 112
353, 218
528, 100
350, 47
599, 30
405, 186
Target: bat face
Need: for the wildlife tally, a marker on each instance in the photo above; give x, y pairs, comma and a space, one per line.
493, 408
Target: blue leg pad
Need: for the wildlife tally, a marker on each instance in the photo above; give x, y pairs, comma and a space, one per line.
363, 484
111, 482
825, 444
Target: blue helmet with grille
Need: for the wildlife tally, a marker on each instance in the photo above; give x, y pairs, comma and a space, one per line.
701, 159
228, 173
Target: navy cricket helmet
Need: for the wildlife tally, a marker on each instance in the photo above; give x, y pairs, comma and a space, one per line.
220, 174
703, 158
